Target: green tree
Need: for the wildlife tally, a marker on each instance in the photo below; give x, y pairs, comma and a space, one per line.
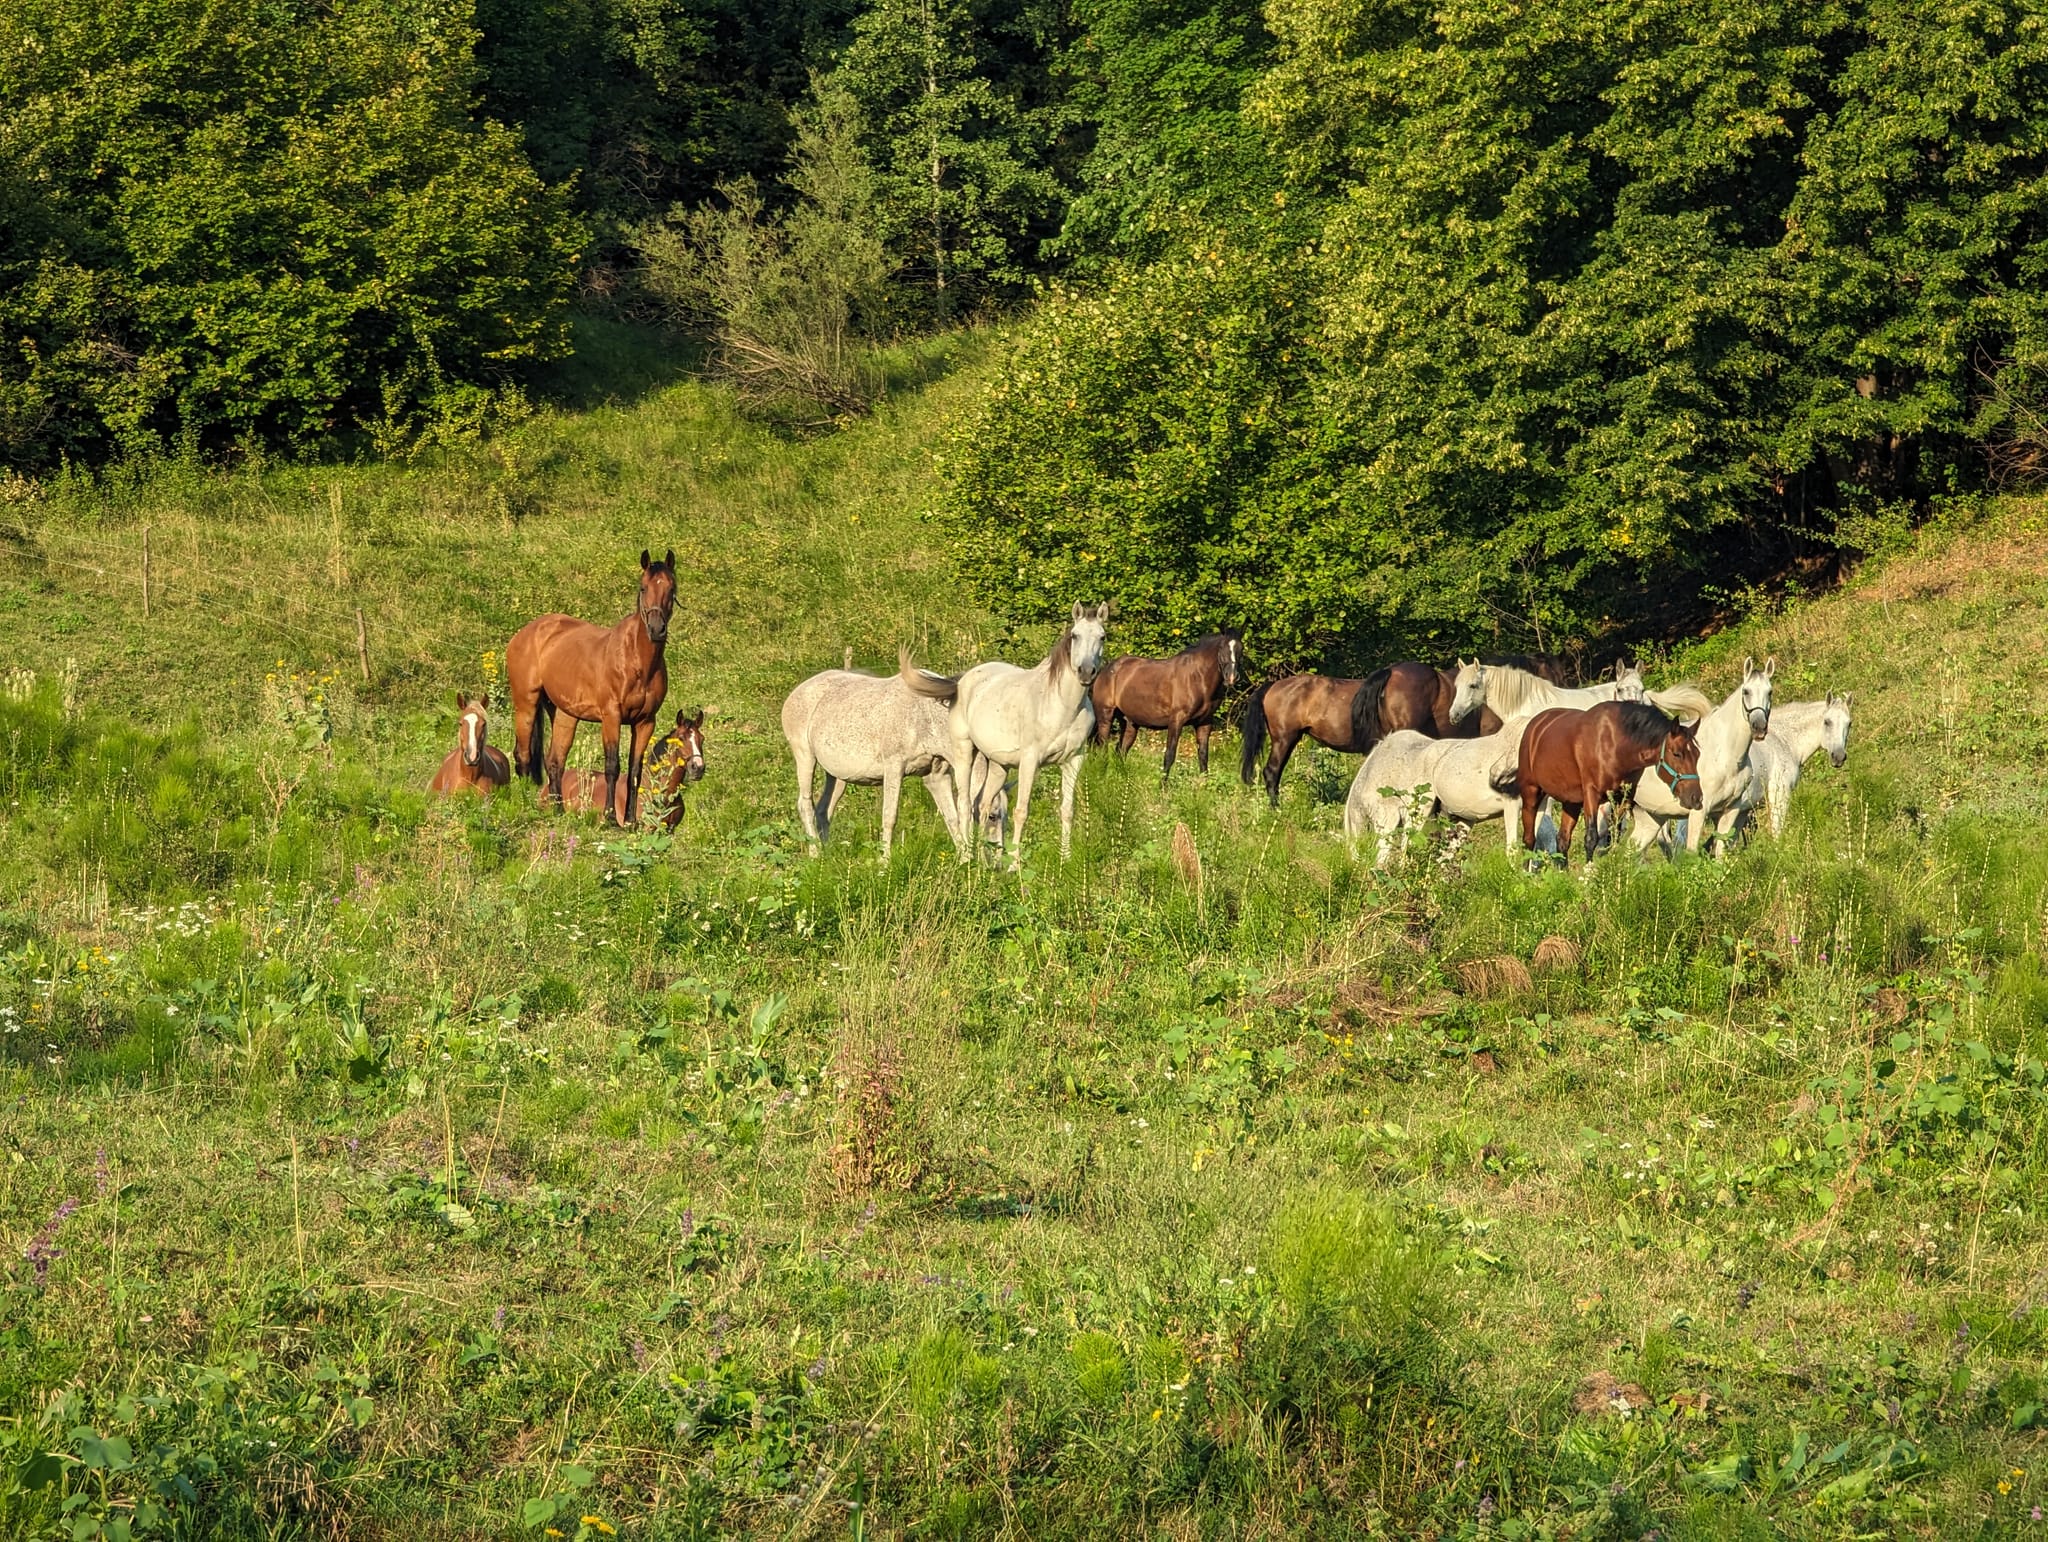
240, 220
962, 126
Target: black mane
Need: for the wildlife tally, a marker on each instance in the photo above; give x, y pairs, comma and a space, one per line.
1643, 723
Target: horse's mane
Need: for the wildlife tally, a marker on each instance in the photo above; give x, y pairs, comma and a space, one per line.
1511, 691
1062, 653
1643, 723
1798, 714
1528, 663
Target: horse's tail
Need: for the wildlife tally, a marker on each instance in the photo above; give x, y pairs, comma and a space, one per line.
1251, 723
537, 740
924, 682
1365, 708
1683, 701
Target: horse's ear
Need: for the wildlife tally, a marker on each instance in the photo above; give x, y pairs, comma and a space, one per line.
1771, 665
1078, 609
645, 564
461, 702
1749, 663
1847, 697
697, 721
669, 561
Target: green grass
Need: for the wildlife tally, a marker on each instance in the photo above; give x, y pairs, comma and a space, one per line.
444, 1169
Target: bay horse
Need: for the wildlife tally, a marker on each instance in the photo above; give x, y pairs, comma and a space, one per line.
1420, 698
1578, 755
473, 765
677, 758
1184, 691
1287, 708
616, 677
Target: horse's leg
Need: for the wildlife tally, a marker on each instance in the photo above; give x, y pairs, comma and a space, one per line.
608, 728
1724, 830
828, 805
940, 785
1173, 728
1567, 819
1284, 741
1027, 773
561, 736
1105, 719
805, 815
964, 793
892, 795
1127, 735
1202, 746
1532, 795
642, 733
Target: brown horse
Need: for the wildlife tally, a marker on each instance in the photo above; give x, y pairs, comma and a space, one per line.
614, 676
1181, 692
676, 758
1415, 696
1580, 755
1285, 709
472, 766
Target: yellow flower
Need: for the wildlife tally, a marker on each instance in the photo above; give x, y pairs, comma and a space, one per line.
1156, 1413
2004, 1486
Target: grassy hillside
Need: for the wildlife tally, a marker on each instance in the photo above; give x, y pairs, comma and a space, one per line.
379, 1168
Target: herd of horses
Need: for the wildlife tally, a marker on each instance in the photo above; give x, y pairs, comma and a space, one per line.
1507, 736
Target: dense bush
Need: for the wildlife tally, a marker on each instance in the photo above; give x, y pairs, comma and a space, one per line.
240, 220
1571, 308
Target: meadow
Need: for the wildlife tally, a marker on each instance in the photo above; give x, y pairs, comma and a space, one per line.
381, 1167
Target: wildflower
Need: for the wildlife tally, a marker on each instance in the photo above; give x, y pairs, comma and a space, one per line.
42, 1250
2005, 1485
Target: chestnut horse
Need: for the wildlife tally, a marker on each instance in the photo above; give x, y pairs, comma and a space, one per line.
1181, 692
1415, 696
677, 758
473, 765
614, 676
1578, 755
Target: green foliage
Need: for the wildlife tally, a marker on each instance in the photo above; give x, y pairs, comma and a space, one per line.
233, 224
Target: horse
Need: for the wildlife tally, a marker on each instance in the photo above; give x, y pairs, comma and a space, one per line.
1512, 692
473, 765
1409, 776
1029, 718
1181, 692
1799, 730
676, 759
1412, 695
1726, 735
614, 676
872, 730
1578, 755
1287, 708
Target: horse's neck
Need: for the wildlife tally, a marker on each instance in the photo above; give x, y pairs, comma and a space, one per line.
630, 636
1801, 724
1067, 688
1724, 735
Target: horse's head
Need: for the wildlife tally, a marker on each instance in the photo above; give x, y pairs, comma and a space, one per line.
1834, 727
1470, 693
1756, 695
1628, 682
1232, 655
657, 594
685, 742
1086, 633
472, 726
1678, 763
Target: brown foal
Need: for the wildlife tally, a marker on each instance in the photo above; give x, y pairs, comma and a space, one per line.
473, 765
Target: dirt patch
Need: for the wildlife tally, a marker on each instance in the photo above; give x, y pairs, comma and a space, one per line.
1601, 1394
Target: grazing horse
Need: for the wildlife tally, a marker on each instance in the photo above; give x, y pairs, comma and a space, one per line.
614, 676
1410, 776
1287, 708
676, 759
1727, 735
1580, 755
1181, 692
868, 730
473, 765
1029, 718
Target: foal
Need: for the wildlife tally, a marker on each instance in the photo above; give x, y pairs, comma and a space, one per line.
677, 758
472, 766
1580, 755
1184, 691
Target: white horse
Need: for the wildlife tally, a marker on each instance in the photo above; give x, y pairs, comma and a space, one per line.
1799, 729
874, 730
1512, 692
1409, 776
1727, 735
1030, 718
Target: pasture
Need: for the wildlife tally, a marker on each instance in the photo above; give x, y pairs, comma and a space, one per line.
380, 1166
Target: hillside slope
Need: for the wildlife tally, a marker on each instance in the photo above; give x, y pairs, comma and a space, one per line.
387, 1169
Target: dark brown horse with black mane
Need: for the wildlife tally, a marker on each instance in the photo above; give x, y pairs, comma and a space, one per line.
1418, 697
1284, 710
1580, 755
1184, 691
614, 676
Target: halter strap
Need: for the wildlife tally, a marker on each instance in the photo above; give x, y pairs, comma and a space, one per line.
1674, 773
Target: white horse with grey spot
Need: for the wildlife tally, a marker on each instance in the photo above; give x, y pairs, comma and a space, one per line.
1030, 718
1799, 731
875, 730
1727, 737
1410, 776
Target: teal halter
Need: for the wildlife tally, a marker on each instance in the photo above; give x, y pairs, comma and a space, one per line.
1672, 772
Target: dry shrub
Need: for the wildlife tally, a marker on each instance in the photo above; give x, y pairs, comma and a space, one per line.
1185, 857
1499, 975
1555, 955
878, 1139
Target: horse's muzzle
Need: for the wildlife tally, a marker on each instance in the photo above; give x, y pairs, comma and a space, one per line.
1840, 760
693, 771
656, 624
1759, 724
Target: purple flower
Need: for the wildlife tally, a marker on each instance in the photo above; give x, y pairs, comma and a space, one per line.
42, 1250
816, 1369
1486, 1505
639, 1349
498, 1320
689, 1224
